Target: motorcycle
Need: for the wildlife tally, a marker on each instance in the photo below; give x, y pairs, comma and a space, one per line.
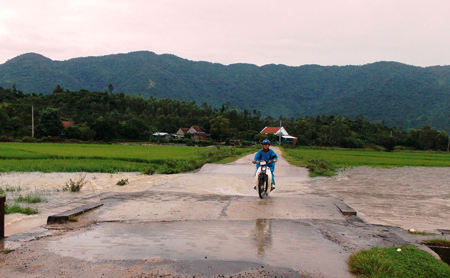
263, 178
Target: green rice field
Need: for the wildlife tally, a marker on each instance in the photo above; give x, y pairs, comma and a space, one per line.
50, 157
340, 158
347, 158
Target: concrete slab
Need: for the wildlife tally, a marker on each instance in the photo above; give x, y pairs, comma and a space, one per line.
64, 216
345, 209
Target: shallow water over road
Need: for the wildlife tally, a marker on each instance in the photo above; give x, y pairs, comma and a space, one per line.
283, 243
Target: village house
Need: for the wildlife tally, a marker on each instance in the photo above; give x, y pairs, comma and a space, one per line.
66, 123
285, 137
195, 131
182, 131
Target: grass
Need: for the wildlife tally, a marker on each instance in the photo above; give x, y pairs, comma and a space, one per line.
390, 262
437, 242
9, 188
326, 162
75, 185
31, 198
43, 157
420, 233
72, 218
122, 182
18, 209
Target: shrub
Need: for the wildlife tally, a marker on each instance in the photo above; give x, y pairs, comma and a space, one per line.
19, 209
50, 139
122, 182
6, 139
320, 167
150, 170
30, 198
389, 144
28, 139
75, 185
352, 143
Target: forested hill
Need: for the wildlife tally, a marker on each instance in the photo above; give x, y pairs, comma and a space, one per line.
401, 95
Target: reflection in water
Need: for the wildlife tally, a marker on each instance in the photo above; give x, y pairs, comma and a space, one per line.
263, 235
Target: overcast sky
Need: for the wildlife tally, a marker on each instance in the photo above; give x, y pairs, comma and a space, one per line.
290, 32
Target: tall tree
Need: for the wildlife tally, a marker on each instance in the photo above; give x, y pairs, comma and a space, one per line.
49, 123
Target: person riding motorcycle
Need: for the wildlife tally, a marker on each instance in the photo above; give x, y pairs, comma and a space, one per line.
267, 154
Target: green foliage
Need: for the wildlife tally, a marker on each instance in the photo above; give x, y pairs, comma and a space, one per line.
9, 188
103, 117
76, 184
421, 233
320, 168
122, 182
149, 170
6, 139
72, 218
389, 144
28, 139
18, 209
326, 161
49, 123
220, 126
30, 198
31, 157
397, 261
437, 242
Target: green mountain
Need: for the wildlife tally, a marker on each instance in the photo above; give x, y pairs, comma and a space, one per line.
401, 95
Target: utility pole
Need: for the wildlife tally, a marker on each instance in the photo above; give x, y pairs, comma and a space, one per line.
32, 121
280, 134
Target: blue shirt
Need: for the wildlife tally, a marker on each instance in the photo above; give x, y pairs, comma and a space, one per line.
270, 155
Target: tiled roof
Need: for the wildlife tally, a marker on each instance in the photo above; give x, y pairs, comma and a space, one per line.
270, 130
67, 123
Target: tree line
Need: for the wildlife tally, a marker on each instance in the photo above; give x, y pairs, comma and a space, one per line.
104, 116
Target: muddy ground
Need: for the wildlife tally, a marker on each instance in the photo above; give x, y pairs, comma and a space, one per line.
297, 232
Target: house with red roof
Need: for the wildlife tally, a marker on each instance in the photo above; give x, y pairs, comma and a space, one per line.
182, 131
285, 137
195, 131
67, 123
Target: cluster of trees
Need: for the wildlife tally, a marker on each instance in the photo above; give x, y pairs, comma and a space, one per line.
104, 116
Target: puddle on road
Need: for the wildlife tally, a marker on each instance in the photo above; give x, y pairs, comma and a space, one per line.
283, 243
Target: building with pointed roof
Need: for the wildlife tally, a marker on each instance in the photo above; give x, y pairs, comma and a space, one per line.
285, 137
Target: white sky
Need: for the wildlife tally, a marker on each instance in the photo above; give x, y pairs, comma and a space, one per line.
290, 32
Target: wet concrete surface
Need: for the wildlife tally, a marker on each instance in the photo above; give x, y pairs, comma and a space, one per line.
212, 223
282, 243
